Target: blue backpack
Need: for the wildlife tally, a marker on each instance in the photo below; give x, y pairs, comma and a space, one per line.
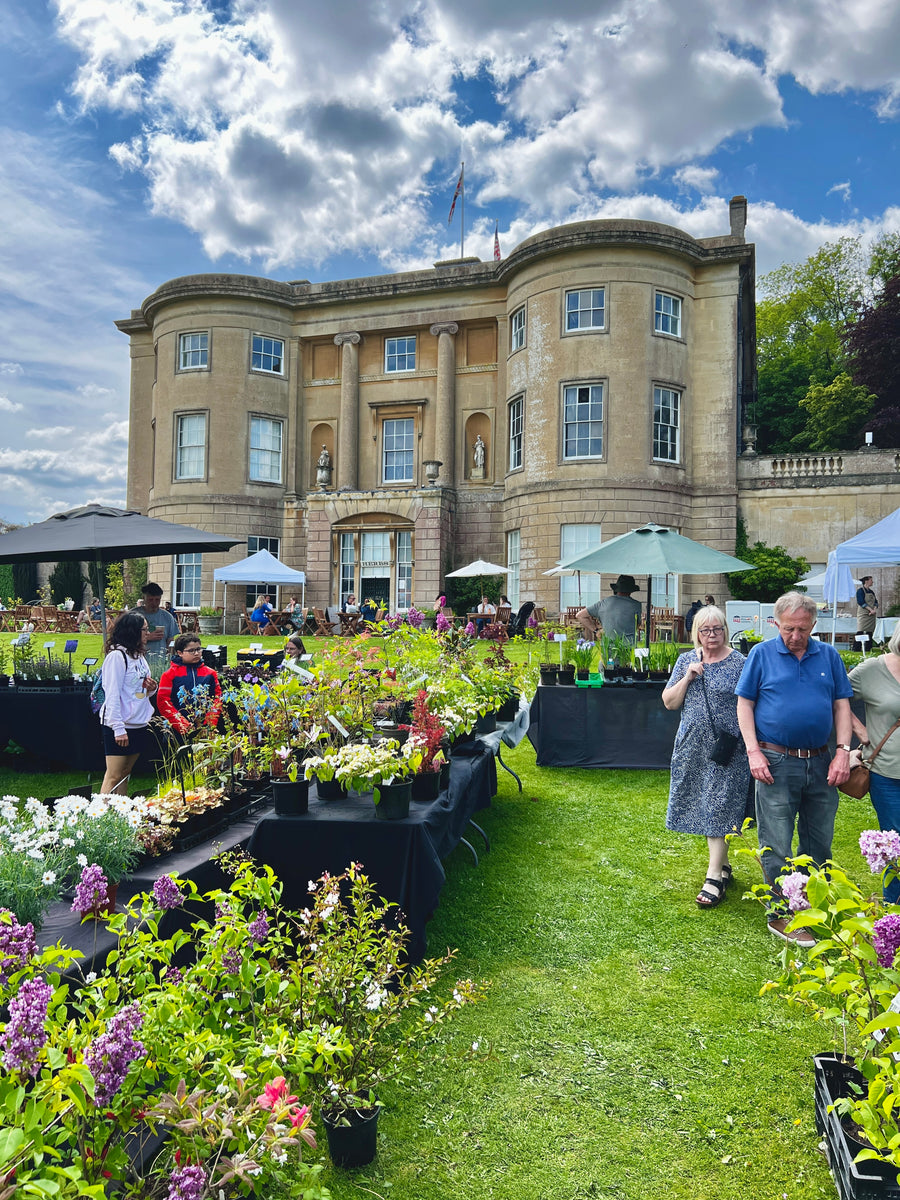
98, 696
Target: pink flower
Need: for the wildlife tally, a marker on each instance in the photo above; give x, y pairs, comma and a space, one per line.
299, 1117
275, 1092
470, 630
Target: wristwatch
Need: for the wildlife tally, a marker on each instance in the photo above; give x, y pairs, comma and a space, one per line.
841, 746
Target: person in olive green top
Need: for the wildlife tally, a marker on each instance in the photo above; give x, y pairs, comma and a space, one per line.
161, 623
877, 682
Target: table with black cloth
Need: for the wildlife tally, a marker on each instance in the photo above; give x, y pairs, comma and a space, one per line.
616, 726
61, 924
401, 858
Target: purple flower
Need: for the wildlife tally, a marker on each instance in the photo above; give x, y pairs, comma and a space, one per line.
793, 887
886, 938
186, 1183
414, 617
173, 975
17, 944
259, 929
167, 893
532, 621
25, 1035
231, 961
470, 630
880, 847
441, 624
91, 891
111, 1054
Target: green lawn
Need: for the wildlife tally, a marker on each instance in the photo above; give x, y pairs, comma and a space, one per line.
624, 1051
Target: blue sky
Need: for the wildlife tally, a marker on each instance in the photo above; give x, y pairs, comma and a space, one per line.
145, 139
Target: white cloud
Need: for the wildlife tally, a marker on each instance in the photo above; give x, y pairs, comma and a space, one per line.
11, 368
699, 179
840, 189
10, 406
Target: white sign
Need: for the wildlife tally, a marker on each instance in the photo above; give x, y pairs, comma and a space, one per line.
345, 733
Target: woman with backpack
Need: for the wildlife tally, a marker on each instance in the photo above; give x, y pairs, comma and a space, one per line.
126, 710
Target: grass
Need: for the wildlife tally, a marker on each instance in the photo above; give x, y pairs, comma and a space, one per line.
624, 1051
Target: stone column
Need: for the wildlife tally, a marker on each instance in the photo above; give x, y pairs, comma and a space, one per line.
348, 434
445, 407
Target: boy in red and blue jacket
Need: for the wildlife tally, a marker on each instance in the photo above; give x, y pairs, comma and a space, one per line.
188, 687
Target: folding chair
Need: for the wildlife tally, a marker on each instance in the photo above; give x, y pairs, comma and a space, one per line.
247, 624
323, 625
349, 623
504, 612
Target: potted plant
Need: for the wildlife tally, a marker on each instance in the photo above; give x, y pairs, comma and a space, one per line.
32, 867
352, 957
209, 619
384, 768
583, 656
426, 734
105, 831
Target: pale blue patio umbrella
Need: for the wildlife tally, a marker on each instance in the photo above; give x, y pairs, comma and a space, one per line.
653, 550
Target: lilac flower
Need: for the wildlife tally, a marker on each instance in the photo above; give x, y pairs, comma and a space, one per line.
532, 621
25, 1035
886, 938
880, 847
111, 1054
186, 1183
17, 944
793, 887
91, 891
441, 624
231, 961
470, 630
259, 929
173, 975
167, 893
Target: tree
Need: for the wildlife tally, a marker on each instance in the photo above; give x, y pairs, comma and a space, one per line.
873, 346
837, 412
800, 321
25, 581
775, 572
884, 259
66, 579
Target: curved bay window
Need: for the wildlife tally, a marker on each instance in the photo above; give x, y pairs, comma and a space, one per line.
374, 561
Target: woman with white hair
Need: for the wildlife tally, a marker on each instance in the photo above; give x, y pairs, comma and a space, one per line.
705, 797
877, 682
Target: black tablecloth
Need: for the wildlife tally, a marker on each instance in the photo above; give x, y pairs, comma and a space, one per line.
603, 727
60, 727
402, 858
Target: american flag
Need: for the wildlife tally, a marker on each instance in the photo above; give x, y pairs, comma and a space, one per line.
456, 195
496, 242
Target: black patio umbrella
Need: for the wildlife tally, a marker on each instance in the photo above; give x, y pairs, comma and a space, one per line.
101, 535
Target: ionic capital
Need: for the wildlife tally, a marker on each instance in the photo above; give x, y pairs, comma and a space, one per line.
450, 327
352, 339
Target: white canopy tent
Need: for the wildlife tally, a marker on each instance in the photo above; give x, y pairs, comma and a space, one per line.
879, 545
261, 567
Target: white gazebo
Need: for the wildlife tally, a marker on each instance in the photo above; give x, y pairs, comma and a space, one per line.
261, 567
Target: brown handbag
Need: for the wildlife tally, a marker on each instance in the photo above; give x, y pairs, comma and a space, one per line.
857, 785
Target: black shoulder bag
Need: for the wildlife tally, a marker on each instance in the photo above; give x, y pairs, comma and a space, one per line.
726, 743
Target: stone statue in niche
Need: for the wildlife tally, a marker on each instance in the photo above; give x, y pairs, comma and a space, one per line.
478, 457
323, 469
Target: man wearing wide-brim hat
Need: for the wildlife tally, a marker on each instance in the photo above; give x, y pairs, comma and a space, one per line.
617, 614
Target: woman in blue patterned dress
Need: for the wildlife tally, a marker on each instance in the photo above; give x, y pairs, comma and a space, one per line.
706, 798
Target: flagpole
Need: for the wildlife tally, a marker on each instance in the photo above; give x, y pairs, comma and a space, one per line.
462, 213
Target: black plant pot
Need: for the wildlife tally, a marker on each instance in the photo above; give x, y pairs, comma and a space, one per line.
393, 801
330, 789
425, 787
353, 1145
582, 673
445, 775
509, 708
867, 1180
566, 676
486, 723
291, 797
548, 676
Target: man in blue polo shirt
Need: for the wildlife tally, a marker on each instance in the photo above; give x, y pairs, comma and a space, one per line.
790, 694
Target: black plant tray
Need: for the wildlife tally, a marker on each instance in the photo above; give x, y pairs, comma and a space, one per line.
190, 840
868, 1180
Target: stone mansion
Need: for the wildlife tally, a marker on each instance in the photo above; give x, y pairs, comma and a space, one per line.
376, 433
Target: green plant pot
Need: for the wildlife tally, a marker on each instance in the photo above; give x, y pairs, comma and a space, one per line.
393, 802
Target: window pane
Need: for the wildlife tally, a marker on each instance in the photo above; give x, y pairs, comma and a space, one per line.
518, 329
400, 354
194, 351
666, 424
265, 450
574, 540
187, 580
346, 583
586, 310
516, 419
583, 421
667, 316
404, 569
513, 550
190, 450
399, 445
268, 354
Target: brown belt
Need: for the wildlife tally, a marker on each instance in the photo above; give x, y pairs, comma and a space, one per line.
794, 753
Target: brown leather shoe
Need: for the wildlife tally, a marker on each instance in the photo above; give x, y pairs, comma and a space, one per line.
799, 937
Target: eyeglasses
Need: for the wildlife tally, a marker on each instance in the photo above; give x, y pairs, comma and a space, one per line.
708, 630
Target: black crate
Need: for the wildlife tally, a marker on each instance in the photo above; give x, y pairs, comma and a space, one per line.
216, 657
868, 1180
